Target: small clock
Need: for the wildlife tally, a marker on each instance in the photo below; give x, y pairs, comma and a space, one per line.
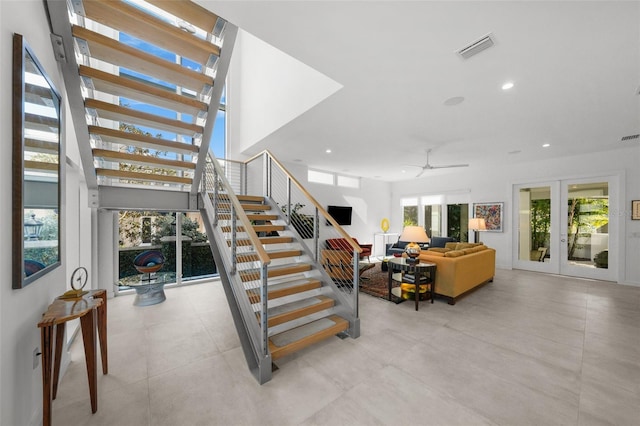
79, 278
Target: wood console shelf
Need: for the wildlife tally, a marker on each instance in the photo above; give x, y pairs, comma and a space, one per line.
91, 308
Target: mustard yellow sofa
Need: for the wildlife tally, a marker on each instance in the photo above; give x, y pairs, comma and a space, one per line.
460, 267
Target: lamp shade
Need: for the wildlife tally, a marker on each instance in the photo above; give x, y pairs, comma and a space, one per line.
477, 224
414, 234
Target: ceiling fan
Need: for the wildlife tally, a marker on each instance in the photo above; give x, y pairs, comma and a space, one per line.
428, 166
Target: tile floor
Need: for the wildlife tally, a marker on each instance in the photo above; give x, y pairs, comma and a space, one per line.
528, 348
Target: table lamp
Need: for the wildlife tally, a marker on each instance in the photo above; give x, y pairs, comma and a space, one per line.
477, 224
413, 234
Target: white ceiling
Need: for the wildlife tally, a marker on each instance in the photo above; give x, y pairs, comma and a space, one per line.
575, 66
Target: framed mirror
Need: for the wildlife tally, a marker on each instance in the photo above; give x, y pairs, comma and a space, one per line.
36, 168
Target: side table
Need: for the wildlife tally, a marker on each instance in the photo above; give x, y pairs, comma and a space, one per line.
91, 308
149, 291
418, 269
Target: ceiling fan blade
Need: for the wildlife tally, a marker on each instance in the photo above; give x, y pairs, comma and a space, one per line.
449, 166
421, 172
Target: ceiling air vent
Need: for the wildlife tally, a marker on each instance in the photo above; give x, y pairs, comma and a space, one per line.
476, 47
629, 138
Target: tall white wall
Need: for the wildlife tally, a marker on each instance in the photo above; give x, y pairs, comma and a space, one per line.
495, 185
21, 310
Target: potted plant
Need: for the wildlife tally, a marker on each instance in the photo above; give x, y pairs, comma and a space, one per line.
602, 259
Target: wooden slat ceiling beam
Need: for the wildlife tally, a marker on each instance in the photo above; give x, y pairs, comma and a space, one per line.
126, 157
120, 113
122, 174
126, 87
128, 19
188, 11
142, 141
116, 53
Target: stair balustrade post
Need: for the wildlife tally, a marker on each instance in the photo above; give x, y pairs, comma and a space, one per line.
264, 316
288, 201
316, 233
215, 196
265, 175
234, 242
356, 281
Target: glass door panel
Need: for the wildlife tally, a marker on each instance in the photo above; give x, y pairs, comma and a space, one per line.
535, 220
585, 241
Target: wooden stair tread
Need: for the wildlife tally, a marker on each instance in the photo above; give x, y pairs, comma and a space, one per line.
144, 92
306, 335
248, 198
125, 157
142, 141
285, 288
263, 240
275, 240
114, 52
298, 309
246, 207
120, 113
257, 228
189, 12
275, 271
34, 145
274, 254
131, 20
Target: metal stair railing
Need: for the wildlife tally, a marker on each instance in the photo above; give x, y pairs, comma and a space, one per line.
243, 259
264, 174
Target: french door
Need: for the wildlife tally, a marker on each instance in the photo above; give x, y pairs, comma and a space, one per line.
564, 227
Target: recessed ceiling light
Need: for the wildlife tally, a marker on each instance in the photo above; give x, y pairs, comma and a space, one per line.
508, 85
517, 151
328, 151
546, 145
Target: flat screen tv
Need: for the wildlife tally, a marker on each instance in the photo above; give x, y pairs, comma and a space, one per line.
341, 214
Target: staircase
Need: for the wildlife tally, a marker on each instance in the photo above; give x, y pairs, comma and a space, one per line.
280, 296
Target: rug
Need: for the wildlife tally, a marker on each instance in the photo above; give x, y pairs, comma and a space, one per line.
375, 282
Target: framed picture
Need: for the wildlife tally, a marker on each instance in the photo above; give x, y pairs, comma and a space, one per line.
635, 210
491, 213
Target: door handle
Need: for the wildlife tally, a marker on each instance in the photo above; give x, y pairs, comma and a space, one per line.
562, 241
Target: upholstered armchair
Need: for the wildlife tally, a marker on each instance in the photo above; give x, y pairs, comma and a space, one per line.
342, 244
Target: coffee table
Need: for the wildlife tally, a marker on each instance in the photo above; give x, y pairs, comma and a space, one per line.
418, 270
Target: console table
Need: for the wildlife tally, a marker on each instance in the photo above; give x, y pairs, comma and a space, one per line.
91, 308
418, 269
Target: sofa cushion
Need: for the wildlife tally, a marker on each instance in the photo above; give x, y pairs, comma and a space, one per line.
434, 253
462, 246
451, 245
440, 241
454, 253
438, 249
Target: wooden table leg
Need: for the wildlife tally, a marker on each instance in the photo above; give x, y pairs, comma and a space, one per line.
88, 325
46, 340
57, 357
102, 331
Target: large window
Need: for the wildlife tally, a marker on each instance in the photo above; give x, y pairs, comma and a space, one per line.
438, 218
186, 258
